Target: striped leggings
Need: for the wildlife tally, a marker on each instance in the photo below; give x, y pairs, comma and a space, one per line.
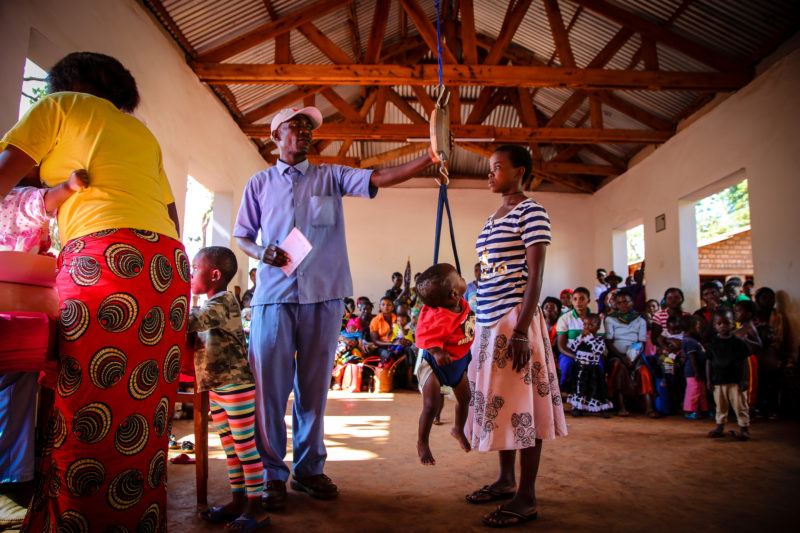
233, 412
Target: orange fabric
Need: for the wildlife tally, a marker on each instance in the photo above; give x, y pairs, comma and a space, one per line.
645, 384
383, 329
752, 379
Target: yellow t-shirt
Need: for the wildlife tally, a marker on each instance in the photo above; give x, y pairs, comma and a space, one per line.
128, 188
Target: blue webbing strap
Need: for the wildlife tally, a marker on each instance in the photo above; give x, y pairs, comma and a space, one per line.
444, 203
439, 42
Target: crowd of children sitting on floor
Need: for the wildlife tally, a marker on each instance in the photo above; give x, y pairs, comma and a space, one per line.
634, 353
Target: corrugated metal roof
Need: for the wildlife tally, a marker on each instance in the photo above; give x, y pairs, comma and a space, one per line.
735, 28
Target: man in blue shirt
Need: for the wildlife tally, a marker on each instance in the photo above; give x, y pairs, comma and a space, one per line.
300, 313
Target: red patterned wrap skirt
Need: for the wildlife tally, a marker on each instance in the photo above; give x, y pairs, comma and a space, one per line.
124, 298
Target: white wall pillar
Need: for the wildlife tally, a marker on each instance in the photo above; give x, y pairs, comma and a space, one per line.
222, 219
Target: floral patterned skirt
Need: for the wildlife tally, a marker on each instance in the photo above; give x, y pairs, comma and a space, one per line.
124, 301
509, 409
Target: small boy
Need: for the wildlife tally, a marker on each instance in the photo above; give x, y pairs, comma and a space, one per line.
744, 311
221, 368
445, 332
725, 375
695, 402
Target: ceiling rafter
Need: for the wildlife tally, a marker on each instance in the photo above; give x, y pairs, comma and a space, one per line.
426, 29
323, 43
366, 105
469, 46
376, 33
355, 35
647, 29
506, 72
560, 37
401, 132
268, 31
474, 75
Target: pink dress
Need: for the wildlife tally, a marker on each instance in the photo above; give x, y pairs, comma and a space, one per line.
24, 221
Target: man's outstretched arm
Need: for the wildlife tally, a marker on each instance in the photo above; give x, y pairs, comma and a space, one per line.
386, 177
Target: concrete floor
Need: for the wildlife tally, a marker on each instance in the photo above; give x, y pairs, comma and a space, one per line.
632, 474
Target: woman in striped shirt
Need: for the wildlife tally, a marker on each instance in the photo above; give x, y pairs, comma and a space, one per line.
516, 400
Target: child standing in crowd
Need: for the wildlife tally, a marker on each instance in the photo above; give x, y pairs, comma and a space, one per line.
221, 368
589, 392
445, 332
695, 402
744, 311
725, 375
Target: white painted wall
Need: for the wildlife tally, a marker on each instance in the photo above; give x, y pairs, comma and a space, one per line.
196, 132
752, 134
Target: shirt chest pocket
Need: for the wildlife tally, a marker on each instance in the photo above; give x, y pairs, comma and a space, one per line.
322, 210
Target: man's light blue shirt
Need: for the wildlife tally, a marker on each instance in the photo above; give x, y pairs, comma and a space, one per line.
308, 196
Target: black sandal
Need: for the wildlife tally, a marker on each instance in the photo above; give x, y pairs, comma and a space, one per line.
491, 495
501, 517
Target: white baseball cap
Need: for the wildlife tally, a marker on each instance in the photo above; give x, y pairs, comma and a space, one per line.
286, 114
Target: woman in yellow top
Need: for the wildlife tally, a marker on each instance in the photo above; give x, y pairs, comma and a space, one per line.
123, 284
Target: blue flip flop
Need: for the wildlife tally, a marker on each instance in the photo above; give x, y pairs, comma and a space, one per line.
247, 523
217, 515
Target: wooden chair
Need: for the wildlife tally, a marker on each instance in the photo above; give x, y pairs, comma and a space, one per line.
200, 402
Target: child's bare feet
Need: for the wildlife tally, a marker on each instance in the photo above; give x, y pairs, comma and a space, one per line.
437, 421
458, 434
425, 455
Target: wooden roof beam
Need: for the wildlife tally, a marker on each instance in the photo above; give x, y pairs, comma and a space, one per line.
401, 132
580, 168
341, 105
426, 30
657, 33
355, 36
406, 108
376, 32
268, 31
513, 18
560, 37
480, 75
617, 162
391, 155
598, 61
276, 104
324, 44
469, 47
633, 111
362, 113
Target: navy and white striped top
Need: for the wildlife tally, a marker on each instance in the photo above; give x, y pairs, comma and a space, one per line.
501, 252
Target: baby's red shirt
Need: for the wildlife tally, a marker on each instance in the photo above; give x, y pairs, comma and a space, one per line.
438, 327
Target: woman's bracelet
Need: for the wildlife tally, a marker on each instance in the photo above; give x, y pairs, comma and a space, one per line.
519, 339
520, 331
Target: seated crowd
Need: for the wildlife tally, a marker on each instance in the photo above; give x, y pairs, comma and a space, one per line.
635, 353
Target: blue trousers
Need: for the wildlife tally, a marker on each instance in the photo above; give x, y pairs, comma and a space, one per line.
292, 347
565, 364
17, 410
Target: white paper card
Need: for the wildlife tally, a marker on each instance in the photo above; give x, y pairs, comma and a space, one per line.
297, 248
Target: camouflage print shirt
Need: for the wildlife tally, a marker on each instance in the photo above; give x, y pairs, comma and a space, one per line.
220, 348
